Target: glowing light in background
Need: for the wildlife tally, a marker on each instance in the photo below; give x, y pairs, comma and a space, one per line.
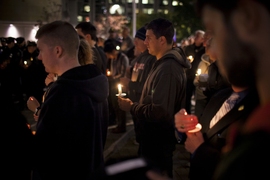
12, 31
116, 8
32, 34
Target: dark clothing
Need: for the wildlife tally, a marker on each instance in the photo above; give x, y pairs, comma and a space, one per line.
97, 59
163, 95
118, 68
69, 137
140, 71
16, 140
34, 76
207, 155
16, 72
215, 81
126, 44
196, 52
103, 59
249, 148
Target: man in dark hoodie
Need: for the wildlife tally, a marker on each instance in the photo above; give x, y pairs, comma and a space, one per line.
163, 94
68, 140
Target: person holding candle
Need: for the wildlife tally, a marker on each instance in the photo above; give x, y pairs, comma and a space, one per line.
69, 132
210, 81
205, 146
140, 69
118, 63
16, 137
240, 31
162, 96
200, 98
193, 52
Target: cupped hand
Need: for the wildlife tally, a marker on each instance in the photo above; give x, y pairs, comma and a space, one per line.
184, 122
32, 103
124, 103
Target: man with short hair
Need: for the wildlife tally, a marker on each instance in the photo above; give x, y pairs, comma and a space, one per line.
69, 139
162, 96
88, 31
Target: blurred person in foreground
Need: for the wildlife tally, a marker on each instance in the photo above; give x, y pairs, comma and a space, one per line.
243, 57
16, 137
162, 96
68, 139
228, 106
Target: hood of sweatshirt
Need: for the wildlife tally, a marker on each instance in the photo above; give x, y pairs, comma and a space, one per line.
179, 56
87, 80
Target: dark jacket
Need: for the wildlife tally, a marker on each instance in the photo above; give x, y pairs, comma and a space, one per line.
103, 58
162, 96
205, 158
196, 52
140, 70
16, 140
215, 81
70, 129
250, 148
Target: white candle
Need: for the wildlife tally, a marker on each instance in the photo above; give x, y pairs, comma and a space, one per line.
119, 89
198, 128
199, 71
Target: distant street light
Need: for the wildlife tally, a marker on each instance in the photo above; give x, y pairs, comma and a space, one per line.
134, 17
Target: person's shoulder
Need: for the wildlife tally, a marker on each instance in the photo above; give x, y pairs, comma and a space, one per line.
223, 92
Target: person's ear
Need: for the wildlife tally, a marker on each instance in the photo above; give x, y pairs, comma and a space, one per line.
163, 40
88, 37
58, 51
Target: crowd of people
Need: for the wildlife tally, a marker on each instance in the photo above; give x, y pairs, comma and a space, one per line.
70, 80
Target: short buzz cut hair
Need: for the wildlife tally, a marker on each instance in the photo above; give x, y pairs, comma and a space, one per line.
162, 27
88, 28
60, 33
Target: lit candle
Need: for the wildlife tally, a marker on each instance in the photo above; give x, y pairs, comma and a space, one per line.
198, 127
119, 89
25, 62
199, 71
108, 73
190, 58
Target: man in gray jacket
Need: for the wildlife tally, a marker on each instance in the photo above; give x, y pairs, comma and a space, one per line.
163, 94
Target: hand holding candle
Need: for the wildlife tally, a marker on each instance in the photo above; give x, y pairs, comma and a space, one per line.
184, 122
32, 103
120, 92
199, 71
190, 58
